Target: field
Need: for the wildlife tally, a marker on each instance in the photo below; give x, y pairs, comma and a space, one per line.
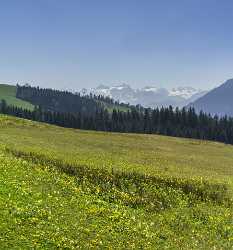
8, 93
73, 189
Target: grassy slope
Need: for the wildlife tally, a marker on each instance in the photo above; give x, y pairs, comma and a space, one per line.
42, 204
8, 93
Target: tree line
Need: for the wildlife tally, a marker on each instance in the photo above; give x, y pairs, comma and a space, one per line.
65, 101
163, 121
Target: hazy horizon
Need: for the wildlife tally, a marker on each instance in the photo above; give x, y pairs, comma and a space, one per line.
77, 44
113, 84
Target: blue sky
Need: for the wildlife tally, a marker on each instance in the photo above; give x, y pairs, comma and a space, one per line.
73, 44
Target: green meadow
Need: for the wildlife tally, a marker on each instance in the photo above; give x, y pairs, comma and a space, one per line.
74, 189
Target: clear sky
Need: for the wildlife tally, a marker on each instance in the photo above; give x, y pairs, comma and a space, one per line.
83, 43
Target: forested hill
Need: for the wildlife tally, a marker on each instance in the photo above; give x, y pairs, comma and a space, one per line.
64, 101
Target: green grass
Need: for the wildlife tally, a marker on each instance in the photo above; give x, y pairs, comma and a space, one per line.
65, 188
111, 107
8, 93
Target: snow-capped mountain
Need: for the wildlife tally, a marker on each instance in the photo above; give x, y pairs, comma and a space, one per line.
123, 92
185, 92
150, 96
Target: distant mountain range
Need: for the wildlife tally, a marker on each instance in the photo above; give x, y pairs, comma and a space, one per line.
150, 96
217, 101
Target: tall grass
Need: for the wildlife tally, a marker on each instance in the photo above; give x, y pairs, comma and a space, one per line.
135, 189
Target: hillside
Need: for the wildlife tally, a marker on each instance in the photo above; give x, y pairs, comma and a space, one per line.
8, 93
66, 188
67, 102
217, 101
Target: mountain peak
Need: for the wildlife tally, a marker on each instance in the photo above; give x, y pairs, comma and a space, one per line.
217, 101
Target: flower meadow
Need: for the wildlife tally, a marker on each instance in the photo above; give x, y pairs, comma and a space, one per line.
71, 189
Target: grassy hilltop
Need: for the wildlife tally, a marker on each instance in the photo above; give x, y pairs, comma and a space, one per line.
65, 188
8, 93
